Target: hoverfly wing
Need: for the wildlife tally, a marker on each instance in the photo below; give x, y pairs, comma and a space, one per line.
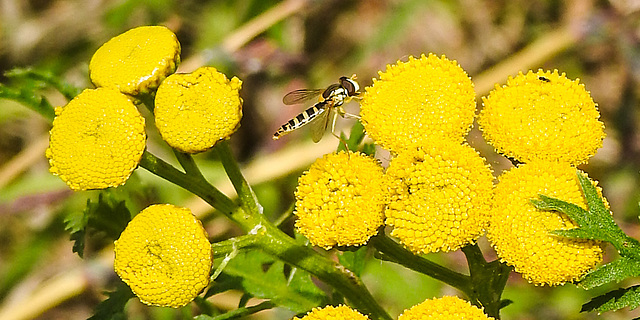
301, 95
319, 124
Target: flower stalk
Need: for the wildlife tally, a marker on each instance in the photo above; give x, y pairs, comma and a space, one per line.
270, 239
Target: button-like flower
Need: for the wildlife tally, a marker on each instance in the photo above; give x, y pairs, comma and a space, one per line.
194, 111
164, 256
440, 195
445, 308
97, 140
137, 60
542, 116
520, 233
340, 200
419, 100
333, 313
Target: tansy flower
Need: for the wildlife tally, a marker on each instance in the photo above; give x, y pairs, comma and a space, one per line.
164, 256
339, 201
97, 140
333, 313
194, 111
445, 308
520, 233
440, 195
542, 116
419, 100
137, 60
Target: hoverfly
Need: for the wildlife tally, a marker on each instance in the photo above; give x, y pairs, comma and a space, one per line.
333, 97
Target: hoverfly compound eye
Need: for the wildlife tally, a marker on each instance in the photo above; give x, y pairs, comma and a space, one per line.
350, 85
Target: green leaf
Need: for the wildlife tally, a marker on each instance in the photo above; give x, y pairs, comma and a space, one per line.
46, 77
354, 260
594, 224
264, 277
615, 271
614, 300
108, 216
30, 99
27, 84
75, 223
113, 306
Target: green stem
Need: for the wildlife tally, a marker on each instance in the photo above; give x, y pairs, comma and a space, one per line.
188, 164
196, 185
395, 252
267, 236
247, 197
275, 242
488, 280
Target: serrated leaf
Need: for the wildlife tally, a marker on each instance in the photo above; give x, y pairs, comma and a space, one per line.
26, 86
113, 306
108, 216
596, 223
614, 300
75, 224
30, 99
615, 271
46, 77
295, 292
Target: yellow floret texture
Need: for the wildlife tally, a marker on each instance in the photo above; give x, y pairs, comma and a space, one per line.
445, 308
333, 313
137, 60
440, 196
164, 256
340, 200
97, 140
520, 233
194, 111
419, 100
542, 116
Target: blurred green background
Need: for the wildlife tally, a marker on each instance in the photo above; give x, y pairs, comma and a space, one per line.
276, 47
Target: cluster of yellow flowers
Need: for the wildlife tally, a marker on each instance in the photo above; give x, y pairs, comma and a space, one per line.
444, 308
98, 139
550, 124
439, 191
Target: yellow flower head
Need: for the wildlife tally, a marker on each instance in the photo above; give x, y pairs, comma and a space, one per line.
164, 256
440, 195
445, 308
419, 100
194, 111
137, 60
340, 200
519, 231
333, 313
542, 116
97, 140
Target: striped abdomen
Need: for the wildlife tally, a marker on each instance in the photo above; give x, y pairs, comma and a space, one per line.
301, 119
